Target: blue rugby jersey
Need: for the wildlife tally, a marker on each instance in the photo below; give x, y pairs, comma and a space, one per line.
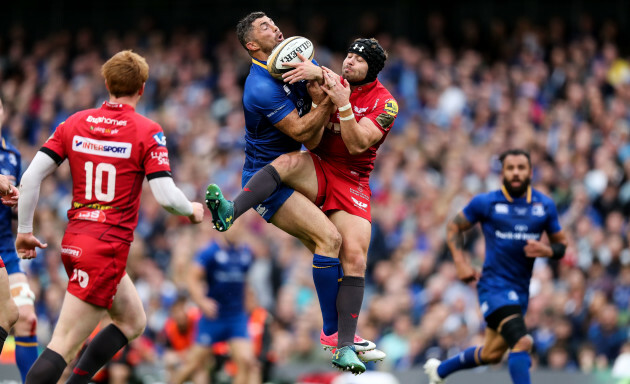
226, 273
10, 166
266, 101
507, 224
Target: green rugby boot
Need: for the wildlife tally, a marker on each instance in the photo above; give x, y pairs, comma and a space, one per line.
346, 359
222, 210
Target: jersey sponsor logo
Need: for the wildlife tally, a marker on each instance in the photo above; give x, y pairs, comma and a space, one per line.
12, 159
222, 257
101, 147
105, 120
101, 207
81, 276
516, 235
275, 111
104, 130
261, 209
96, 216
360, 110
521, 228
160, 157
391, 107
538, 209
501, 208
521, 211
358, 203
160, 139
71, 251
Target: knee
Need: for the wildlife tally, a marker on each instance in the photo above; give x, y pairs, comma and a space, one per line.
27, 322
286, 164
354, 263
525, 343
332, 237
491, 356
133, 326
9, 315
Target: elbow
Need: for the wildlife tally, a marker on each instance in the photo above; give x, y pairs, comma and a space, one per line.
357, 149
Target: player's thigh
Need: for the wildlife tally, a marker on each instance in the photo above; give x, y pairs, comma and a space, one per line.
8, 309
127, 311
299, 217
76, 321
355, 233
297, 171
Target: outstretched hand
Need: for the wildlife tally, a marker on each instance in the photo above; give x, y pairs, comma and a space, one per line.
25, 244
304, 70
10, 196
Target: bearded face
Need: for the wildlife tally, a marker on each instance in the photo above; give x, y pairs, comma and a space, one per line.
516, 174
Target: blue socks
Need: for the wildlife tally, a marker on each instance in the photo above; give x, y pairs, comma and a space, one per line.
25, 353
469, 358
519, 363
326, 275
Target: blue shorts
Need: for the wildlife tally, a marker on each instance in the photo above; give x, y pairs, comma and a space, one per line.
210, 331
271, 205
491, 300
11, 261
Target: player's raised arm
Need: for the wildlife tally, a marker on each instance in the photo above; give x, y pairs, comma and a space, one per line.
173, 199
455, 240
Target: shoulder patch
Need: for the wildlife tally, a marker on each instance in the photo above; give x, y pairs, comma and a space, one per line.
386, 119
391, 107
160, 139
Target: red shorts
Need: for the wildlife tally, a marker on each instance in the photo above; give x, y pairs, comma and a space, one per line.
94, 267
339, 188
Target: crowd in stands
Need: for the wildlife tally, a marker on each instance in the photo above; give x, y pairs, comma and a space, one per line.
560, 91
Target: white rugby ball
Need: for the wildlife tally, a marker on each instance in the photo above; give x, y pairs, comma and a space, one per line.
286, 52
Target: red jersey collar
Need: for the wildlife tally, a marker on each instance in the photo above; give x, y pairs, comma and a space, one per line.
117, 106
366, 87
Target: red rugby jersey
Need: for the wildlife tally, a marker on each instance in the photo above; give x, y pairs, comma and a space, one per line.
110, 150
372, 101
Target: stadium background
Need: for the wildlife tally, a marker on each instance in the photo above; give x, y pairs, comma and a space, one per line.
471, 79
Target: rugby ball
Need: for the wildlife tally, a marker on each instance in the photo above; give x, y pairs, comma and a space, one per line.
286, 52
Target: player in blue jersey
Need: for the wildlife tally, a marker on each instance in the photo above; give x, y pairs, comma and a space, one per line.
217, 285
8, 309
25, 328
279, 118
513, 220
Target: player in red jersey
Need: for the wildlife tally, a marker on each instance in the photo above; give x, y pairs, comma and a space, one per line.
110, 150
335, 174
8, 309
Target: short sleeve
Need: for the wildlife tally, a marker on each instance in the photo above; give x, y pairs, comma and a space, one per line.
553, 223
156, 162
477, 209
205, 256
270, 99
54, 146
385, 114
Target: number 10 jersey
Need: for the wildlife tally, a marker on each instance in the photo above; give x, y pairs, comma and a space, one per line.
110, 150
